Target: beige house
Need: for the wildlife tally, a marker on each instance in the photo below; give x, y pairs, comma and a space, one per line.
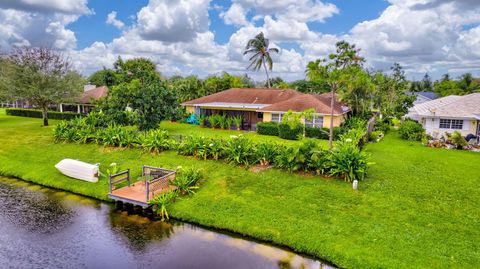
84, 104
265, 105
449, 114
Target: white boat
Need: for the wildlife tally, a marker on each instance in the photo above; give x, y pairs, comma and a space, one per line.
78, 169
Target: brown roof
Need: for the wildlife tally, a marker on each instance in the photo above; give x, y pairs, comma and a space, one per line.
95, 94
247, 96
319, 102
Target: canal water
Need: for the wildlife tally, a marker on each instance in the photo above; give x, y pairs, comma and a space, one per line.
46, 228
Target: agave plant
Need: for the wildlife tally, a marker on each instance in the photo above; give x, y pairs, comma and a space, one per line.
161, 203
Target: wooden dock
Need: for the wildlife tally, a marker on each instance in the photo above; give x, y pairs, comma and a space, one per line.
154, 181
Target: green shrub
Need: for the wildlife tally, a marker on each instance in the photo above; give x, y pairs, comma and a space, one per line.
297, 158
267, 128
458, 140
347, 161
312, 132
373, 136
266, 153
225, 122
382, 126
156, 141
290, 132
186, 180
35, 113
355, 123
239, 150
411, 130
161, 203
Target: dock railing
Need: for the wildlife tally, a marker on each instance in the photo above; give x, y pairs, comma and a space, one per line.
118, 178
161, 179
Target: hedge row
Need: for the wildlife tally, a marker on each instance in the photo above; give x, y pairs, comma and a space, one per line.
286, 132
35, 113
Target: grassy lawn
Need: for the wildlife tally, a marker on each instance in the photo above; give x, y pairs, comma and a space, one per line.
418, 208
188, 129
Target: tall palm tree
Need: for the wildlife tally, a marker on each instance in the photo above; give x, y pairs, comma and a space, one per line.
258, 46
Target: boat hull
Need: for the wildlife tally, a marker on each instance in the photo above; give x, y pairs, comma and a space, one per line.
78, 170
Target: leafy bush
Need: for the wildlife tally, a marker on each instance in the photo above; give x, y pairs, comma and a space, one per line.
289, 131
35, 113
458, 140
296, 158
382, 126
411, 130
156, 141
161, 203
201, 147
239, 150
186, 180
266, 153
313, 132
338, 132
116, 136
267, 128
373, 136
347, 161
355, 123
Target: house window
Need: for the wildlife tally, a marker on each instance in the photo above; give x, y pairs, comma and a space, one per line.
276, 117
457, 124
451, 124
317, 121
260, 115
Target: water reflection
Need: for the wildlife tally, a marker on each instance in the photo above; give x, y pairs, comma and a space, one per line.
138, 231
45, 228
33, 210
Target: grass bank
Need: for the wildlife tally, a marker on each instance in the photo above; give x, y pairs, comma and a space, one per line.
418, 208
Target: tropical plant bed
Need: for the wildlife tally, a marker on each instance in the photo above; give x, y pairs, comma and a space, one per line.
417, 208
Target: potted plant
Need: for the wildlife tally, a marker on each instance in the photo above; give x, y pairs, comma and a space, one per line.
237, 121
201, 121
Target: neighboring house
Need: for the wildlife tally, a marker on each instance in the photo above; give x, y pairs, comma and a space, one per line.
422, 97
84, 103
449, 114
264, 105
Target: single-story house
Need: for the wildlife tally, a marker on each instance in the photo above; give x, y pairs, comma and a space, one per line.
265, 105
84, 104
422, 97
449, 114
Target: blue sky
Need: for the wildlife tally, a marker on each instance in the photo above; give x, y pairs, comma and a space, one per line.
203, 37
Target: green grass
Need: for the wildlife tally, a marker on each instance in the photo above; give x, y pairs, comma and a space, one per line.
188, 129
418, 208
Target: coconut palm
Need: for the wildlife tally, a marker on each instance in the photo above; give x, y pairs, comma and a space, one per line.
258, 46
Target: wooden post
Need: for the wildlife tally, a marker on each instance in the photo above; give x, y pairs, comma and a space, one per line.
147, 186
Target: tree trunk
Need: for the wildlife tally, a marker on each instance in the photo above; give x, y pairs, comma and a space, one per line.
332, 104
45, 116
266, 72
